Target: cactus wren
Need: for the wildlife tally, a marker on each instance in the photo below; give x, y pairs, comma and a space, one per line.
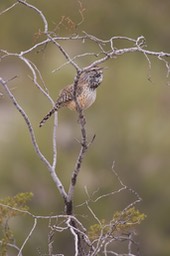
85, 92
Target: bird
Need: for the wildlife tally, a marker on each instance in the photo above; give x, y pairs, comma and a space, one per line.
87, 84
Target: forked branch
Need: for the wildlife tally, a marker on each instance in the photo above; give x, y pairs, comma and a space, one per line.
104, 50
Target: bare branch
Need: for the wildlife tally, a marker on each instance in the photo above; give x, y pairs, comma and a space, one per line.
39, 13
34, 142
66, 55
104, 50
28, 237
76, 238
8, 9
13, 246
76, 57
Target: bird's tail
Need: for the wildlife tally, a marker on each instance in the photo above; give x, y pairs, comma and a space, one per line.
50, 113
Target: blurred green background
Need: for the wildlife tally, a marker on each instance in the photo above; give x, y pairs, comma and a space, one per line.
131, 117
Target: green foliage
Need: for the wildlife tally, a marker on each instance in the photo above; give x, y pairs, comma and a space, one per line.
11, 207
122, 222
128, 219
95, 230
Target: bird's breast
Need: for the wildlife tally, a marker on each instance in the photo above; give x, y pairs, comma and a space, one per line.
85, 99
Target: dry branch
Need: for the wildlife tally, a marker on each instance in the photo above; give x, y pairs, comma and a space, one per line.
83, 245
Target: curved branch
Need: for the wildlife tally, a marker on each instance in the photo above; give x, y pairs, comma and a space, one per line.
34, 142
39, 13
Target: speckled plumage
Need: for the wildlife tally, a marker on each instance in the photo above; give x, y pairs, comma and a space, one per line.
85, 92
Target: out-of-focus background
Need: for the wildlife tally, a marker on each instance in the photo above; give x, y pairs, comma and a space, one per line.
131, 116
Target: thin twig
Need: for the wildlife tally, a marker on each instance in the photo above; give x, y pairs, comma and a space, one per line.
13, 246
28, 237
9, 8
39, 13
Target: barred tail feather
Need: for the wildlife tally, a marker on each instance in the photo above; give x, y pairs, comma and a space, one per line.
52, 111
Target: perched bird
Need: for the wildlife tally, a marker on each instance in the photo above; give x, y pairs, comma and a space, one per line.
87, 84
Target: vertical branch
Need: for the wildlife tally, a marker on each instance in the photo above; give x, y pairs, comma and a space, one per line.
83, 148
75, 235
79, 238
55, 140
